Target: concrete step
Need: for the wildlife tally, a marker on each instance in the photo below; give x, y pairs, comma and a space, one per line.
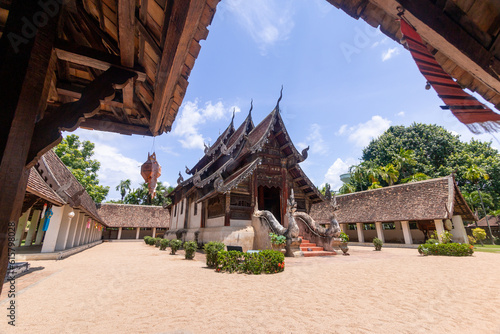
304, 240
319, 253
312, 249
307, 244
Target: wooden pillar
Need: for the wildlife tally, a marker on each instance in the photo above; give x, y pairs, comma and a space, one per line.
26, 69
284, 192
227, 216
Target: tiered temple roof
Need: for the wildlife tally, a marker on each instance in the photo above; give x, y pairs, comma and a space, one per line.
235, 156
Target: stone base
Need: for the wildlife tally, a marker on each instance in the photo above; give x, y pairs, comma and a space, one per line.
293, 248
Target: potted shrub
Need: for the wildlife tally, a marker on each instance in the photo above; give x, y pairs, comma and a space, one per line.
377, 243
190, 248
344, 239
277, 241
164, 244
175, 245
146, 239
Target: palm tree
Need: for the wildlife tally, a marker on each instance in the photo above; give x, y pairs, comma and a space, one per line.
404, 157
123, 187
375, 185
357, 173
415, 178
389, 174
474, 174
347, 188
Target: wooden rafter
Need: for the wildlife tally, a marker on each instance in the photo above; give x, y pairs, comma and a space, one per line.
126, 21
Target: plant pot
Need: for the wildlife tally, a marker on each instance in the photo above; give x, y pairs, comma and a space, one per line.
278, 247
344, 248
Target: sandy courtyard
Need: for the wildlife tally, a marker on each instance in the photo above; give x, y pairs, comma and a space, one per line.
134, 288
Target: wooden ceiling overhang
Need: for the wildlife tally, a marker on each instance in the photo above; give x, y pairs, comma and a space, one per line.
463, 35
157, 41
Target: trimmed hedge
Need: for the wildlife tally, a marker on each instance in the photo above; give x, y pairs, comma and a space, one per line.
268, 261
211, 250
146, 239
158, 242
190, 248
451, 249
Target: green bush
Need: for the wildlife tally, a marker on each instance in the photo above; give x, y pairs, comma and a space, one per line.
344, 237
164, 244
175, 245
479, 234
190, 248
211, 250
451, 249
446, 237
158, 242
146, 239
268, 261
152, 241
377, 243
496, 240
229, 261
432, 241
277, 239
472, 241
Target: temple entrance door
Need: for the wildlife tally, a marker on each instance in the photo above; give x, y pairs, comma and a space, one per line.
269, 199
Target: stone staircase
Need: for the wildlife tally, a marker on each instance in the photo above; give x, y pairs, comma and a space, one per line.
310, 249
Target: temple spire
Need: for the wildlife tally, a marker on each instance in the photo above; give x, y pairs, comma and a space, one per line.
251, 108
278, 103
232, 119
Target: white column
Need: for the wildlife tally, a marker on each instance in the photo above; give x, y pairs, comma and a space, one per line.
92, 232
344, 227
119, 233
405, 226
33, 224
72, 230
154, 232
86, 232
78, 234
49, 243
82, 233
359, 229
62, 238
439, 227
137, 233
458, 231
21, 225
40, 232
380, 231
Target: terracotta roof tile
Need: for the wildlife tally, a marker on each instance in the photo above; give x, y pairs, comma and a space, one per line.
128, 215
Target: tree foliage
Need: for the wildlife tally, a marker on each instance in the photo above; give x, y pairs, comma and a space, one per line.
423, 151
77, 156
141, 196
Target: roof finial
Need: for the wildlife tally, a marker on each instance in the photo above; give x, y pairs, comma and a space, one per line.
234, 113
281, 95
251, 108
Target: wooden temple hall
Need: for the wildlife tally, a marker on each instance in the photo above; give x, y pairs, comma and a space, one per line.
246, 169
108, 65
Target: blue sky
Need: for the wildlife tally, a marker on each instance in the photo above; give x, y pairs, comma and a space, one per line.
344, 84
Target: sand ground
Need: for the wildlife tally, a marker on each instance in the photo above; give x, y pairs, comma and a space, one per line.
135, 288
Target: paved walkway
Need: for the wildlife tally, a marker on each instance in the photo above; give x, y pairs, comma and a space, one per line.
134, 288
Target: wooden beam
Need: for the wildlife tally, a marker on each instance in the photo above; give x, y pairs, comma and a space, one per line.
183, 24
126, 33
27, 69
74, 91
99, 4
144, 32
67, 117
124, 129
143, 12
92, 58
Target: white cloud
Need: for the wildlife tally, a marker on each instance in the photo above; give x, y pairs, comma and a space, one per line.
266, 21
389, 53
342, 130
192, 116
116, 167
363, 133
315, 141
401, 114
339, 167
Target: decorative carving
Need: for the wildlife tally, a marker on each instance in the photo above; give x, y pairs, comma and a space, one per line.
281, 96
218, 183
67, 117
206, 148
151, 171
188, 171
180, 179
216, 207
304, 153
328, 193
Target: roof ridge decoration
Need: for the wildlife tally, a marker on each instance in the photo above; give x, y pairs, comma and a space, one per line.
180, 179
199, 183
247, 171
279, 99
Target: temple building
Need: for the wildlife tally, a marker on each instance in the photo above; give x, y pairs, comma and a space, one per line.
247, 168
405, 213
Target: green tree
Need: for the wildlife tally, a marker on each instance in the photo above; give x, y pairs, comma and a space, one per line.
123, 187
475, 174
479, 234
389, 173
141, 196
77, 156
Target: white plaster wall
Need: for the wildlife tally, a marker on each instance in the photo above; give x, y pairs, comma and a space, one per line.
240, 222
215, 222
229, 235
417, 236
194, 221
